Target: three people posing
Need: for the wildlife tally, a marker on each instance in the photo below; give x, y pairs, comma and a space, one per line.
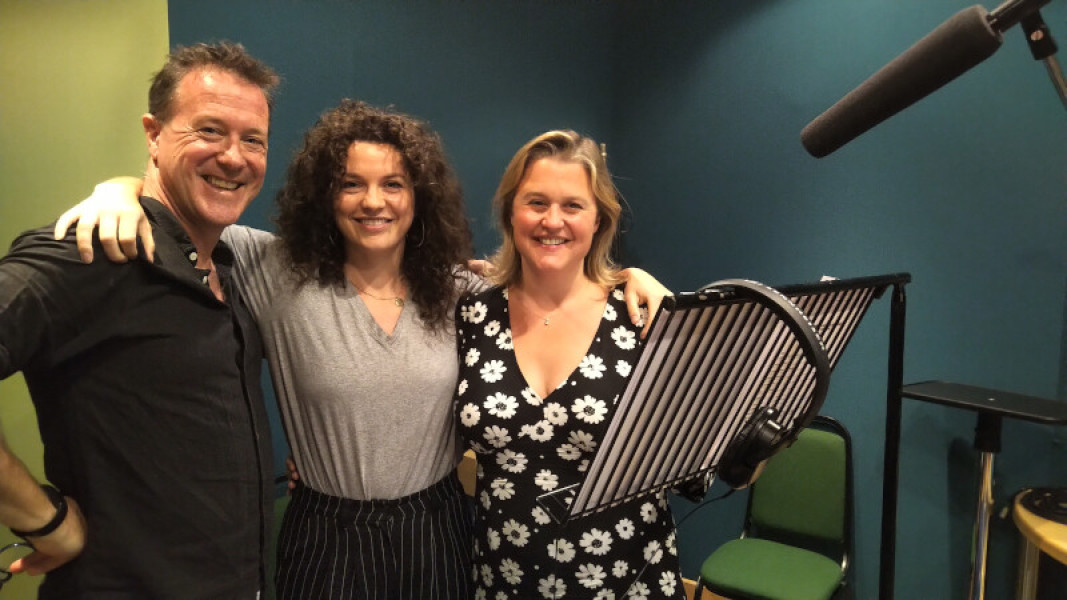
354, 299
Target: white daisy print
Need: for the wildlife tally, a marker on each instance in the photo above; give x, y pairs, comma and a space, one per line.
511, 572
592, 367
638, 591
484, 496
462, 387
624, 338
540, 431
546, 480
596, 542
531, 396
497, 436
582, 440
503, 489
477, 313
671, 546
493, 537
479, 594
540, 516
561, 550
668, 583
469, 415
604, 594
501, 405
551, 587
503, 341
493, 371
568, 452
620, 568
511, 461
515, 532
472, 357
492, 328
555, 414
653, 552
591, 575
583, 465
623, 368
609, 313
625, 528
589, 409
648, 512
487, 575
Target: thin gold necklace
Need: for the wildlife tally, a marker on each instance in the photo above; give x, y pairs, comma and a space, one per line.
396, 300
545, 318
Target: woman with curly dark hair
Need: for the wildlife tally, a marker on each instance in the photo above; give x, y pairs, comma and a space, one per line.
355, 299
371, 229
440, 237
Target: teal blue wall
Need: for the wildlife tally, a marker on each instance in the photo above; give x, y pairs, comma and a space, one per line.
701, 105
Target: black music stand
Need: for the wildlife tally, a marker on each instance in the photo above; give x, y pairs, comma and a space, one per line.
709, 363
992, 406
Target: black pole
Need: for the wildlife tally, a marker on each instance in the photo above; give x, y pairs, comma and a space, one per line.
895, 381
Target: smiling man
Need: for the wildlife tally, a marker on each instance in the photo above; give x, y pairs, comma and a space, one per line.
145, 375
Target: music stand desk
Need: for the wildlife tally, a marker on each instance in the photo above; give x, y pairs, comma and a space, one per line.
992, 406
984, 400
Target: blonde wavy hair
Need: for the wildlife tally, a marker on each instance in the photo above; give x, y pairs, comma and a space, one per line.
566, 146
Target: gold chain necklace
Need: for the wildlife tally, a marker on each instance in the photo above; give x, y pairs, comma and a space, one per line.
396, 300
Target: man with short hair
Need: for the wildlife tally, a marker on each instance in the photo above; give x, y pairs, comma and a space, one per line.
145, 375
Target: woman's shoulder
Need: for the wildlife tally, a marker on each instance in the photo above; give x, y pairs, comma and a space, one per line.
483, 294
474, 304
258, 254
616, 309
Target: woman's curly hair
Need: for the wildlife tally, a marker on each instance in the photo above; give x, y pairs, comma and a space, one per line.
439, 238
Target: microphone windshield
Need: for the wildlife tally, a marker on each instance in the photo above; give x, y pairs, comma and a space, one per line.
947, 52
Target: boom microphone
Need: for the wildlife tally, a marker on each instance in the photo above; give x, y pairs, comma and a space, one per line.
969, 37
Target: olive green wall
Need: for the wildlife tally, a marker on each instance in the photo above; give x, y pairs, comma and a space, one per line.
65, 119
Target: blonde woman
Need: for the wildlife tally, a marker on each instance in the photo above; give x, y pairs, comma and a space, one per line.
543, 354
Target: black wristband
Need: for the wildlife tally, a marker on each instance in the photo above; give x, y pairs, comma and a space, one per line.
60, 503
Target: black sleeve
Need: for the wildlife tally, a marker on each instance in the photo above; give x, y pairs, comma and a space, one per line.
46, 295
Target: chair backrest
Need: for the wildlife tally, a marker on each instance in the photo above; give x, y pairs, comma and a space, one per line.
804, 495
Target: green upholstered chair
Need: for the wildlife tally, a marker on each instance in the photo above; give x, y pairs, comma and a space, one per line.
796, 543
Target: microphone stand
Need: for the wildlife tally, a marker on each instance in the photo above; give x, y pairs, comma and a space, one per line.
1043, 48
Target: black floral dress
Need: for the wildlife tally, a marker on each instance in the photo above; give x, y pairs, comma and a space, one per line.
528, 446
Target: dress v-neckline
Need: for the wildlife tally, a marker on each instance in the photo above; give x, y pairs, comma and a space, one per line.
514, 354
